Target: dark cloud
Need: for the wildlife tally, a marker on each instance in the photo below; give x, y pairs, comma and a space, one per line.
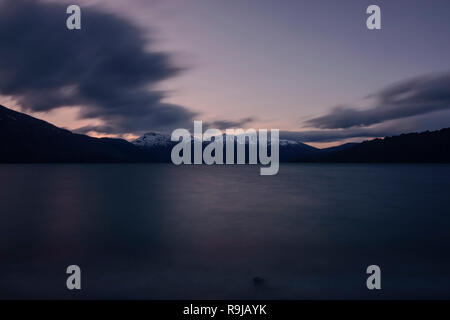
228, 124
420, 123
336, 135
107, 67
417, 96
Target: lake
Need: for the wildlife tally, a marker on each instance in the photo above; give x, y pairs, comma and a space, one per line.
158, 231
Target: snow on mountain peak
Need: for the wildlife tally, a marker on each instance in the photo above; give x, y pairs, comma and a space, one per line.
152, 139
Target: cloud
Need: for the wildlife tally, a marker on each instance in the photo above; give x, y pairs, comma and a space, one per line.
228, 124
106, 67
417, 96
419, 123
335, 135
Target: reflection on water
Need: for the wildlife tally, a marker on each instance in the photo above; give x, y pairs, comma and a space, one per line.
158, 231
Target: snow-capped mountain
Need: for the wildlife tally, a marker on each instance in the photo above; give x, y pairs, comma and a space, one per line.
285, 142
152, 139
158, 146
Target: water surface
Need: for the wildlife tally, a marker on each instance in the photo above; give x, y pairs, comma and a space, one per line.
157, 231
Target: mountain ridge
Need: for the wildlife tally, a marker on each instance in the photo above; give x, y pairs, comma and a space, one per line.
417, 147
25, 139
159, 146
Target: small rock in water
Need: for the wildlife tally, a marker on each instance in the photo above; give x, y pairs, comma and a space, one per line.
257, 281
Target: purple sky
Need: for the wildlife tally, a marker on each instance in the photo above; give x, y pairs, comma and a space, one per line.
282, 63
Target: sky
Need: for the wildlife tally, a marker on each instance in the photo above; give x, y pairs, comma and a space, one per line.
309, 68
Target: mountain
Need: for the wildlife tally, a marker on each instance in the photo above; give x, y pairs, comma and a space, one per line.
334, 149
27, 139
158, 146
428, 146
291, 151
153, 139
155, 146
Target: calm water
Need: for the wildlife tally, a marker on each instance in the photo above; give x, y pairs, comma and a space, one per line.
158, 231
